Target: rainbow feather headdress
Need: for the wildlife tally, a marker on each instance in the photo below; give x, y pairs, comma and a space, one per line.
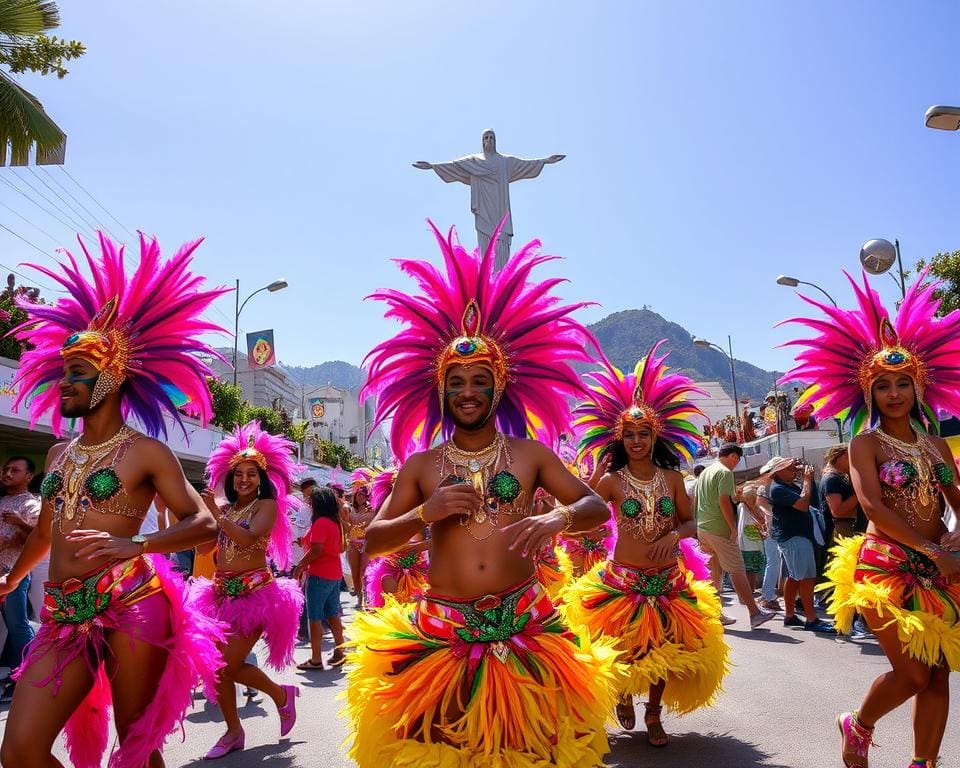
648, 396
854, 347
274, 455
141, 331
473, 315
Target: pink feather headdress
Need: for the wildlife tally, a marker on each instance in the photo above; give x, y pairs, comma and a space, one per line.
474, 315
648, 396
141, 330
273, 454
853, 347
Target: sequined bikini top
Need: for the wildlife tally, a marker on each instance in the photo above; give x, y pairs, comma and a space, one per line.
229, 550
84, 478
647, 510
913, 474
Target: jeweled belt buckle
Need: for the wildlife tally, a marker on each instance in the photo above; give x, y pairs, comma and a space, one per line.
70, 586
487, 603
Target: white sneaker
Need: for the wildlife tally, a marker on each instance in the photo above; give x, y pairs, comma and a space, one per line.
727, 620
761, 617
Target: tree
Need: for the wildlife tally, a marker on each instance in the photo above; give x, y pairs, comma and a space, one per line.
25, 48
945, 266
231, 410
335, 454
11, 316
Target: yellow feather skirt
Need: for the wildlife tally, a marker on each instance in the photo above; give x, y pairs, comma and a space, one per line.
666, 623
499, 682
869, 573
553, 570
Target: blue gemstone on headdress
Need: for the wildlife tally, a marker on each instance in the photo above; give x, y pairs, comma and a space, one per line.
72, 339
466, 347
895, 358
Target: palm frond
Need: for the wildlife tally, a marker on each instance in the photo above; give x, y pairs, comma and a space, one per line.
23, 122
25, 18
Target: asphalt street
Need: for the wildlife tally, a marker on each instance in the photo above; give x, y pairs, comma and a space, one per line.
777, 711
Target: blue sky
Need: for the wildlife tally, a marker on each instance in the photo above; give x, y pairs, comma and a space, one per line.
710, 147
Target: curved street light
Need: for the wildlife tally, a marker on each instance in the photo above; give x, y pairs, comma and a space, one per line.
792, 282
276, 285
943, 118
704, 344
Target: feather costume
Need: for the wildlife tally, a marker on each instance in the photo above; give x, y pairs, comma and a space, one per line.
666, 620
495, 680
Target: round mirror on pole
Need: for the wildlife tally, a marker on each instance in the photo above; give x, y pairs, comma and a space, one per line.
877, 256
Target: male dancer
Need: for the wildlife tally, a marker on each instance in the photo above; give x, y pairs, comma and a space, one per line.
114, 629
483, 671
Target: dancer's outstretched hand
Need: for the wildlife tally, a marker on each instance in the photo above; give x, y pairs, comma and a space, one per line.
102, 544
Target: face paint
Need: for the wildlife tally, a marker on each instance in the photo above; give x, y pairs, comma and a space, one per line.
79, 378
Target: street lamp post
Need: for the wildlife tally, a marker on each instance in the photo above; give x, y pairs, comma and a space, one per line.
943, 118
704, 344
276, 285
793, 282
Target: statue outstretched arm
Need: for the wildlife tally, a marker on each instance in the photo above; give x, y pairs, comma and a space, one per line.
455, 170
530, 169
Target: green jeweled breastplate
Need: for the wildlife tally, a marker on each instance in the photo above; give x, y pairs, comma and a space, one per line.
52, 485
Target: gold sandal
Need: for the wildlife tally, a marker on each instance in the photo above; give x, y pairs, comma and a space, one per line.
656, 736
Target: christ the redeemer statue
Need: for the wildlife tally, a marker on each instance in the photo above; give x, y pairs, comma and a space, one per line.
489, 175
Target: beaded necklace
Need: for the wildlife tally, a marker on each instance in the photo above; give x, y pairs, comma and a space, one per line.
227, 546
913, 474
488, 470
647, 507
79, 479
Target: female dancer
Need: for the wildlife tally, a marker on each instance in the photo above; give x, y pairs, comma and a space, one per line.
257, 472
665, 620
901, 576
359, 515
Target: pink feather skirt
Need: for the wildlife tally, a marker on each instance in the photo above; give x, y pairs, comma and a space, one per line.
410, 570
254, 603
145, 600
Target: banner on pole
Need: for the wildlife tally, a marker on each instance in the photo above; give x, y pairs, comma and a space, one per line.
260, 350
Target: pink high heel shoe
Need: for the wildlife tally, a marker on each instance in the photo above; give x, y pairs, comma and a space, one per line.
288, 712
225, 746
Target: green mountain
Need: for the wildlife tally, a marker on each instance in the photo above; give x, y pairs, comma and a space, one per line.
624, 336
336, 372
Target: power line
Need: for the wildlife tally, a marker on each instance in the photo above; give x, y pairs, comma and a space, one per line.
119, 223
89, 212
20, 192
25, 180
20, 274
43, 181
24, 218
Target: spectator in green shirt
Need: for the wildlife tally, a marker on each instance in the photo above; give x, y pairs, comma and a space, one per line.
717, 530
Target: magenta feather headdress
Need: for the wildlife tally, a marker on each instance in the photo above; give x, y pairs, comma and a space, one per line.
649, 395
475, 315
853, 347
141, 330
274, 455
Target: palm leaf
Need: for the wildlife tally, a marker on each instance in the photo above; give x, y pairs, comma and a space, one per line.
24, 123
26, 18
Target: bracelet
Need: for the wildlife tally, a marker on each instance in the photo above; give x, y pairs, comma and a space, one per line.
931, 550
567, 513
419, 511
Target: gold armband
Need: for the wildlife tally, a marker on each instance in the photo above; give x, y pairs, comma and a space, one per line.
419, 511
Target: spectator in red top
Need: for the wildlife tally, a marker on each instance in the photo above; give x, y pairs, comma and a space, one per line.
322, 546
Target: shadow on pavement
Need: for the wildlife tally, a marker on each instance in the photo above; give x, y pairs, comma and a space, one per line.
763, 636
317, 679
685, 750
272, 755
205, 712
